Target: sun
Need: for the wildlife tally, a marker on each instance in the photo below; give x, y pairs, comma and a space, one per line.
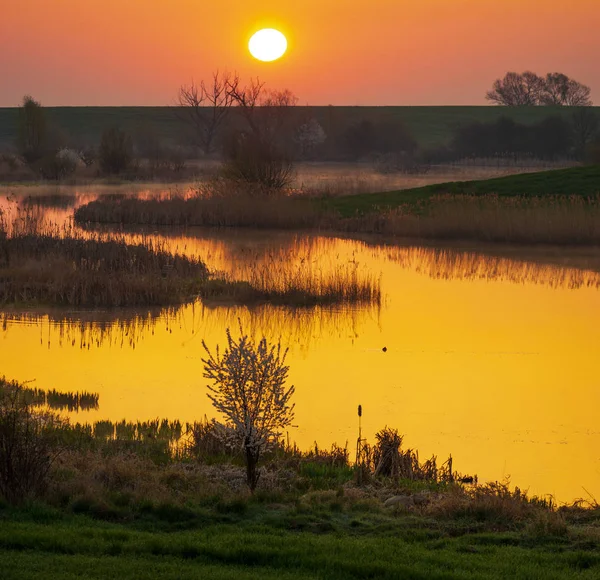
267, 45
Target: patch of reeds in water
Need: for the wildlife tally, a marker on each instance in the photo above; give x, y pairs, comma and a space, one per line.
155, 429
91, 272
490, 218
278, 283
217, 204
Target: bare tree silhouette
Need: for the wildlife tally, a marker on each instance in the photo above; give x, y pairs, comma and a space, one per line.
529, 89
206, 106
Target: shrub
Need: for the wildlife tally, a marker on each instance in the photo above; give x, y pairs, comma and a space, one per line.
29, 443
116, 151
309, 137
60, 165
248, 388
32, 130
254, 159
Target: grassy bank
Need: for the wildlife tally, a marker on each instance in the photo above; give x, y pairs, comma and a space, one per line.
125, 500
554, 220
551, 207
577, 181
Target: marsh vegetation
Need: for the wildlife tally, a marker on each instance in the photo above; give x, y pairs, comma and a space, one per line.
47, 265
127, 490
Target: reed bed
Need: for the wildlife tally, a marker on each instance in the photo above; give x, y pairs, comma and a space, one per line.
564, 220
91, 273
216, 203
530, 219
155, 429
277, 283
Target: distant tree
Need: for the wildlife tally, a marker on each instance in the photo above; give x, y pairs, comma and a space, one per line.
206, 106
268, 114
309, 136
59, 165
585, 125
517, 89
552, 138
115, 153
248, 388
559, 89
529, 89
505, 138
32, 130
261, 152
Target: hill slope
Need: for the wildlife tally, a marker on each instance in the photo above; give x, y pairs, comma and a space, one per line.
582, 181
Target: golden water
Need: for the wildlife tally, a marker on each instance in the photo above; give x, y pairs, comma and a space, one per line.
494, 360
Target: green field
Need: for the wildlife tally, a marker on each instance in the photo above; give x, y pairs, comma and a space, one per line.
579, 181
430, 125
263, 544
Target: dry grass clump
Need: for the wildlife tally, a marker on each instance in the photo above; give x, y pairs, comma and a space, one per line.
275, 282
94, 481
496, 503
29, 444
491, 218
217, 203
205, 440
94, 272
387, 459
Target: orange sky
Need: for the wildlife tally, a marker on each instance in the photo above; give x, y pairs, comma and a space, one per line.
355, 52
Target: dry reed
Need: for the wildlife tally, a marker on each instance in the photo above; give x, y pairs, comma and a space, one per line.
276, 283
94, 272
530, 220
218, 203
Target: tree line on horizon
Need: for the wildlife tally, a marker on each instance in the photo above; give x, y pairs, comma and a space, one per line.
258, 134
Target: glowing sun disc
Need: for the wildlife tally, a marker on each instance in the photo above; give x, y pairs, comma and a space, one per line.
267, 45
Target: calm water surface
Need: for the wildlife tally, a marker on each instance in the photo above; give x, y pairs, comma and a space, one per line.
492, 359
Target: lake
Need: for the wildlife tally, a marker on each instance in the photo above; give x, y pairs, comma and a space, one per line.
490, 352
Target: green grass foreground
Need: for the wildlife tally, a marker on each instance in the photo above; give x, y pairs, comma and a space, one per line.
575, 181
264, 543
